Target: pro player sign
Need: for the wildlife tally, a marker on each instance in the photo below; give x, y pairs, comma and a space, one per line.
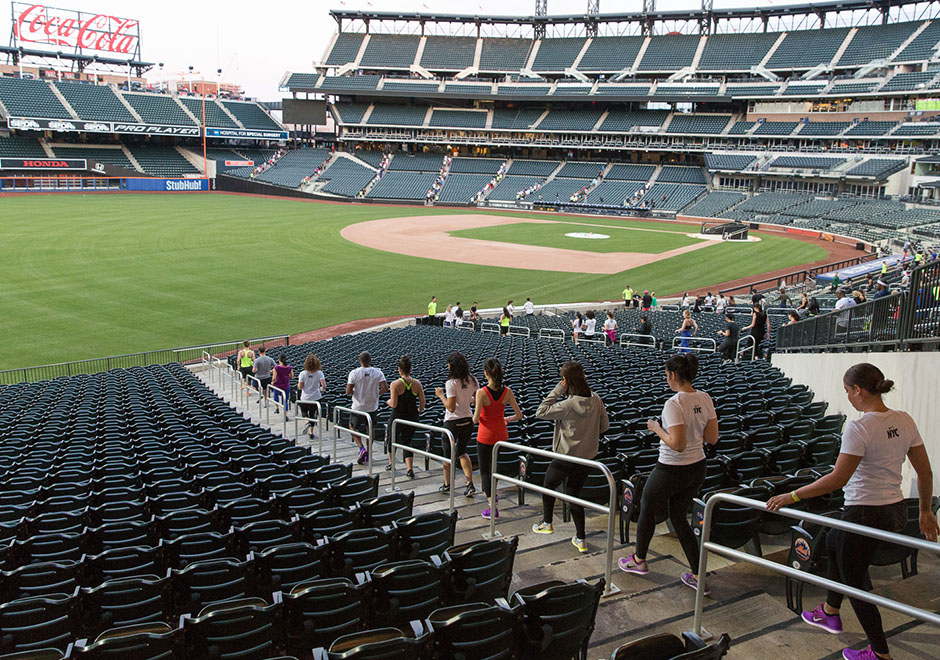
78, 31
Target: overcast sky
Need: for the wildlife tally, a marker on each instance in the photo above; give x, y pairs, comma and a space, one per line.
254, 43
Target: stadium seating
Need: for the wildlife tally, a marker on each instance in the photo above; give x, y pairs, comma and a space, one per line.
161, 160
462, 187
914, 130
877, 167
352, 83
107, 156
677, 196
458, 118
448, 53
729, 52
824, 127
613, 193
345, 48
475, 165
804, 49
570, 120
610, 54
871, 128
672, 174
507, 189
158, 109
397, 115
21, 146
556, 55
403, 185
713, 204
873, 42
665, 89
735, 162
468, 88
751, 90
350, 113
741, 127
806, 162
579, 170
617, 89
910, 81
95, 102
30, 98
619, 121
411, 89
560, 189
776, 128
698, 123
504, 54
513, 119
251, 115
849, 88
290, 170
390, 50
669, 52
525, 89
806, 90
215, 116
539, 168
572, 89
922, 46
303, 80
630, 172
420, 162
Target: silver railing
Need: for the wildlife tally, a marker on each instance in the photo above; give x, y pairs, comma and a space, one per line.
646, 341
741, 351
552, 333
520, 330
465, 325
610, 588
368, 436
299, 417
594, 339
277, 394
452, 461
705, 345
489, 326
851, 592
246, 394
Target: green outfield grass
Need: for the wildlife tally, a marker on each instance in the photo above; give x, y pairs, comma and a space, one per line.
552, 235
94, 275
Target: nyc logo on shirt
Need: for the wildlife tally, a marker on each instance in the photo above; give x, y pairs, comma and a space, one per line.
893, 432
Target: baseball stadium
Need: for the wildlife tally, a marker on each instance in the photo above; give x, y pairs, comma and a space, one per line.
317, 375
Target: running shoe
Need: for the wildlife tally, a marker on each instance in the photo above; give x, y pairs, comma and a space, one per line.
690, 581
831, 623
864, 654
388, 468
363, 456
410, 474
579, 544
486, 514
444, 488
469, 490
632, 565
543, 527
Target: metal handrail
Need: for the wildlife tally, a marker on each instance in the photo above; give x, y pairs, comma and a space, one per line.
520, 330
487, 326
452, 461
739, 351
285, 406
299, 417
610, 588
552, 333
465, 325
246, 395
676, 344
594, 339
368, 436
649, 341
851, 592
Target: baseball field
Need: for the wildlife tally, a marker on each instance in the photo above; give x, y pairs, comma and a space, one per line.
94, 275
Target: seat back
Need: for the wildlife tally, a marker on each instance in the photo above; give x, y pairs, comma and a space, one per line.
361, 550
298, 501
205, 582
661, 646
318, 612
247, 628
321, 523
152, 641
422, 536
125, 602
350, 492
558, 619
407, 591
282, 567
475, 631
481, 571
382, 511
328, 474
46, 622
257, 536
379, 644
187, 548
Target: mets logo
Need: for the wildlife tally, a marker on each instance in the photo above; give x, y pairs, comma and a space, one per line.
801, 548
628, 497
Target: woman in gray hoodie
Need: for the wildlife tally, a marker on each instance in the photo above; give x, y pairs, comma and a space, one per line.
580, 419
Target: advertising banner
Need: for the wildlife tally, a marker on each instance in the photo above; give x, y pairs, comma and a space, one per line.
79, 31
168, 185
43, 164
245, 133
76, 126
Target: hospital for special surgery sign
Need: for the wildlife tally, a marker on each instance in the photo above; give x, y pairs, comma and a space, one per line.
75, 30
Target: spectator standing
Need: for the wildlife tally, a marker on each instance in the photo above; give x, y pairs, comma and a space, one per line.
610, 328
432, 308
688, 328
458, 312
262, 369
842, 302
627, 296
282, 375
646, 329
590, 324
246, 360
312, 384
529, 307
474, 314
868, 469
813, 308
759, 328
504, 320
577, 326
406, 399
834, 286
365, 385
580, 419
647, 301
721, 303
458, 395
688, 422
510, 307
783, 299
450, 319
729, 345
490, 415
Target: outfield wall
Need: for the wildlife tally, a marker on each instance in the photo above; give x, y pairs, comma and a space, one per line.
917, 383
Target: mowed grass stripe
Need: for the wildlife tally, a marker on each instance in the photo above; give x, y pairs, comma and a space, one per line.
553, 235
93, 275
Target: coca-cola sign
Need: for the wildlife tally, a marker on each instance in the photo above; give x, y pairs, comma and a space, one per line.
76, 30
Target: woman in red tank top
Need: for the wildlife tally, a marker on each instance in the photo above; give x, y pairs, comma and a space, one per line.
490, 414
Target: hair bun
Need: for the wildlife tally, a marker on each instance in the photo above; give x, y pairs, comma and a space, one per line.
885, 386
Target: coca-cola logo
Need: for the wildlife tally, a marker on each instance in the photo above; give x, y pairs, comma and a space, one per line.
72, 29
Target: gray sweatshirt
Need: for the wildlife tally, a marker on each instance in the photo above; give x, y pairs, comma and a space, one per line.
579, 422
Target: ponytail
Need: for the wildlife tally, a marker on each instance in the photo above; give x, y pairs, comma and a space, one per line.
868, 377
684, 366
494, 369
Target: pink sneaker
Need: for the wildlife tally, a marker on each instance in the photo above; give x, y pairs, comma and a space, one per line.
864, 654
486, 514
831, 623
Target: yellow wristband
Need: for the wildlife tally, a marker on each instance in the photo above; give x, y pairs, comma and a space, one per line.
794, 497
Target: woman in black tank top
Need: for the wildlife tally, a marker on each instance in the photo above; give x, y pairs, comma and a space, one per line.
406, 399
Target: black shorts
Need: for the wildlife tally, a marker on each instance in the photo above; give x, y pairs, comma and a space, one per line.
265, 382
245, 371
308, 409
504, 329
463, 430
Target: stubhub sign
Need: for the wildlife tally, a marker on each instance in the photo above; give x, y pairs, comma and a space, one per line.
168, 185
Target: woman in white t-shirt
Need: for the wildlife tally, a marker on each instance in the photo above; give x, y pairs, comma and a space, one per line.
689, 421
311, 385
458, 395
868, 469
610, 328
450, 319
577, 326
590, 323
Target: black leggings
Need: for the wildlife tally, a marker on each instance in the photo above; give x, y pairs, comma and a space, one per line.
573, 476
485, 456
849, 558
673, 486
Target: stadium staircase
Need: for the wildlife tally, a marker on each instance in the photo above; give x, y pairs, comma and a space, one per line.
45, 147
486, 193
65, 104
845, 44
379, 173
186, 110
910, 38
194, 158
128, 107
129, 155
540, 119
230, 115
